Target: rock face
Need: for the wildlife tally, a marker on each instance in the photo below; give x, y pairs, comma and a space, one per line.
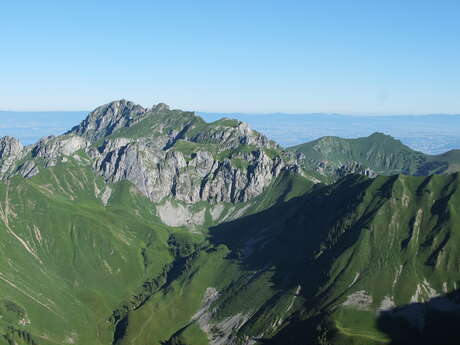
9, 147
160, 173
332, 170
348, 168
354, 168
51, 148
18, 160
192, 161
11, 151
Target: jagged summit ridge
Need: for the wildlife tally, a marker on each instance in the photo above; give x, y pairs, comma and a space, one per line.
110, 117
172, 153
163, 152
176, 153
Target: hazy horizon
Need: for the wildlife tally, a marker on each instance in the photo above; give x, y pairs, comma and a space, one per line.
434, 134
363, 114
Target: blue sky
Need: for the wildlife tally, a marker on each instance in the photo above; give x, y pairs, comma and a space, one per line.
358, 57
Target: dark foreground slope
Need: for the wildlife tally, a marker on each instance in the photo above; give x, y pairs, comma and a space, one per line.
355, 252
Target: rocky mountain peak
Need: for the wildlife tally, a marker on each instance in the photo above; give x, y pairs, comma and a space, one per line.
160, 107
164, 153
107, 118
380, 135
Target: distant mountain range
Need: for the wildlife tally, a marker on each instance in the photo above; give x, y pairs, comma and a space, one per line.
379, 152
432, 134
152, 226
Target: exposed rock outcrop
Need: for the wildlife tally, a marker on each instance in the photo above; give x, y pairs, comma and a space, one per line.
11, 151
10, 147
51, 148
333, 170
106, 119
159, 173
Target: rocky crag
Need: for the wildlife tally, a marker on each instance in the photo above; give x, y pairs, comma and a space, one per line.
163, 152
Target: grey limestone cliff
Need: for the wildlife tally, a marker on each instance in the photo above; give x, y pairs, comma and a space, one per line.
11, 150
183, 157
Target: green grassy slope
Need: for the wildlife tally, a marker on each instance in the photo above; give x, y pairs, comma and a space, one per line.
302, 262
74, 270
379, 152
67, 261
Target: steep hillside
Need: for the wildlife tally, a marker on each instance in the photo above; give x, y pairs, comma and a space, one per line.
378, 152
67, 260
151, 226
82, 259
364, 261
290, 272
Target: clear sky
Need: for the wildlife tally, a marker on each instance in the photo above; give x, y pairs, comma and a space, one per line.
359, 57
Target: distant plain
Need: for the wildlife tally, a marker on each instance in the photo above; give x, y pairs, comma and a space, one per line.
431, 134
